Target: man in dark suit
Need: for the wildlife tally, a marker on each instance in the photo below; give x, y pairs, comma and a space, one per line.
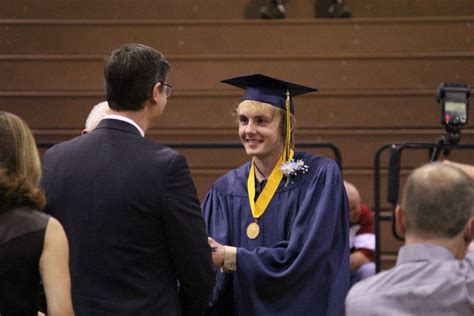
128, 205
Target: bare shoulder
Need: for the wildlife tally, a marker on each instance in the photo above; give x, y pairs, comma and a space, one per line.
55, 234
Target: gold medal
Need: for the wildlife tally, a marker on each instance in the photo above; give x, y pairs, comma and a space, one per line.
253, 230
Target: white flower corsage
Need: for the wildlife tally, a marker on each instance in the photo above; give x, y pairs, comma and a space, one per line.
291, 168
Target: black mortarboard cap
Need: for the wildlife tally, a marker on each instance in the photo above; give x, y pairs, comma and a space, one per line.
266, 89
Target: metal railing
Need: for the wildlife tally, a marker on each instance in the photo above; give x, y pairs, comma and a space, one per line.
332, 147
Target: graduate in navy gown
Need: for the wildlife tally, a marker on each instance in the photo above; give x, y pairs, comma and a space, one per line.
278, 225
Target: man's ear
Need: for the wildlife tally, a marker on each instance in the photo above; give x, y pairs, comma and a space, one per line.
469, 230
155, 92
400, 216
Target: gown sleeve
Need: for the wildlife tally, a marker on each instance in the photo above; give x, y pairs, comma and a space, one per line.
217, 223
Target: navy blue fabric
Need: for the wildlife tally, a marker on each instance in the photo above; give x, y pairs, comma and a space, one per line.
299, 264
266, 89
275, 98
132, 217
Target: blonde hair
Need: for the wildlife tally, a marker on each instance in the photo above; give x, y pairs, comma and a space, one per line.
20, 167
257, 107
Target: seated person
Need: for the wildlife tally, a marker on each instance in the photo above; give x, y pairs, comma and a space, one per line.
433, 274
361, 237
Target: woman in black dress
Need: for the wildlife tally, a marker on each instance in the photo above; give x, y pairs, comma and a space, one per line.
33, 245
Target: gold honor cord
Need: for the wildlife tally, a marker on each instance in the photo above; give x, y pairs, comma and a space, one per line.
259, 207
287, 144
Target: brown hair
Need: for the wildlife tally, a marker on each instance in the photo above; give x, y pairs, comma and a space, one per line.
20, 168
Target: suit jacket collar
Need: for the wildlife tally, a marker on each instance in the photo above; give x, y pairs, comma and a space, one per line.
110, 123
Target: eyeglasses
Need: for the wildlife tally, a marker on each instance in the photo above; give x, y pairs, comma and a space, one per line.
168, 88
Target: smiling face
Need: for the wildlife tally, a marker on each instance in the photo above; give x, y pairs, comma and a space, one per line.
260, 129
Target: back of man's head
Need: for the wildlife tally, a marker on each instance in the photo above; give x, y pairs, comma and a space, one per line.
438, 201
131, 71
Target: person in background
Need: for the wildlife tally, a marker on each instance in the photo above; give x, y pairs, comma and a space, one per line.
433, 275
279, 223
362, 238
128, 205
33, 245
95, 116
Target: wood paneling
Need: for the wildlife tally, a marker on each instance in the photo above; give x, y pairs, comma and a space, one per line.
358, 146
388, 261
218, 9
377, 77
368, 71
389, 243
416, 8
240, 36
146, 9
410, 108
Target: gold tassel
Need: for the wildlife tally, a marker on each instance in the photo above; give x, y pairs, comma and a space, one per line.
287, 144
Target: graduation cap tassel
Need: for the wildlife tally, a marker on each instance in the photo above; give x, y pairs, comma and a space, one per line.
286, 150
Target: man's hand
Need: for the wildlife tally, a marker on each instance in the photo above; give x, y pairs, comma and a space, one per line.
217, 252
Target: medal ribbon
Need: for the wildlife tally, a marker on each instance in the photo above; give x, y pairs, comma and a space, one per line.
259, 207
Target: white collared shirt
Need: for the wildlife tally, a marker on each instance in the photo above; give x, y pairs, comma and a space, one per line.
125, 119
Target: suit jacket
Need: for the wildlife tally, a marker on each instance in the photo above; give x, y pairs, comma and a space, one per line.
138, 244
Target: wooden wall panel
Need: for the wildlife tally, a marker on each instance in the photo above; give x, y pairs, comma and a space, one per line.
218, 9
377, 77
239, 36
357, 146
147, 9
423, 71
389, 243
388, 261
207, 165
416, 8
410, 108
333, 72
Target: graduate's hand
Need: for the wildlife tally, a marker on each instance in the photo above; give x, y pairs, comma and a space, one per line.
217, 252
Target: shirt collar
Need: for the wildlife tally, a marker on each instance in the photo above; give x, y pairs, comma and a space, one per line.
423, 252
125, 119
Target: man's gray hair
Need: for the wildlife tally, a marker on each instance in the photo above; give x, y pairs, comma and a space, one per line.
438, 201
95, 116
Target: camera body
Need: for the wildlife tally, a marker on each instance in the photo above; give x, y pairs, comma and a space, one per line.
454, 100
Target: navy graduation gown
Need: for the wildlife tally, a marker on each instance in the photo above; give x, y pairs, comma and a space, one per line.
299, 264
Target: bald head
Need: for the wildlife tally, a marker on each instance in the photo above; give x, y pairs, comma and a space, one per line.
95, 116
354, 202
438, 201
